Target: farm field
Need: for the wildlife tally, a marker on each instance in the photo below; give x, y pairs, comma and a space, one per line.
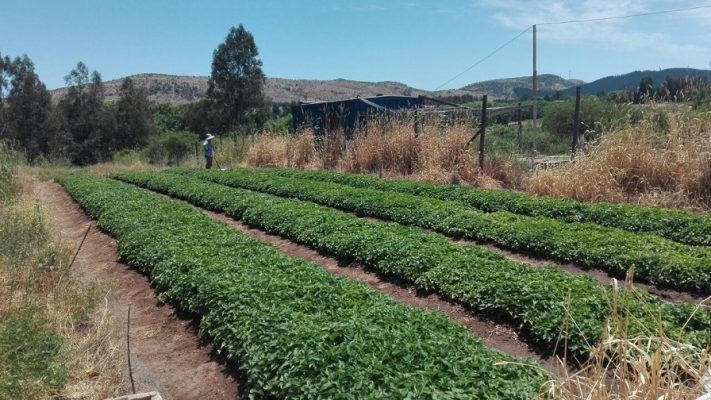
481, 279
212, 270
297, 324
656, 260
678, 225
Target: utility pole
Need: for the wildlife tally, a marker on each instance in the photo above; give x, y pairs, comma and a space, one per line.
576, 126
535, 90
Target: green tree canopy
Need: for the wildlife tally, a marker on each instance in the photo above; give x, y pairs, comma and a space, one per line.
134, 122
237, 81
87, 121
26, 112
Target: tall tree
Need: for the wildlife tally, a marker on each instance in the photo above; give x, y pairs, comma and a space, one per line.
87, 121
26, 114
237, 81
134, 121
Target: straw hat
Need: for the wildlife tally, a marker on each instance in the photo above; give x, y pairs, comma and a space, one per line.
209, 136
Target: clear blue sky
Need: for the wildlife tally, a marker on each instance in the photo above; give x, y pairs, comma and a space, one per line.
420, 43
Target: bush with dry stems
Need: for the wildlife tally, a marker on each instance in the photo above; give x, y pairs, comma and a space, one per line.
640, 164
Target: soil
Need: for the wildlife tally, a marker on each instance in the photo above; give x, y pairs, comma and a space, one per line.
167, 353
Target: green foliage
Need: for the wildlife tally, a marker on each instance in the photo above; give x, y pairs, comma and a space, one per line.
657, 260
8, 164
502, 140
89, 123
660, 122
30, 367
171, 147
134, 122
596, 116
296, 330
126, 157
278, 126
26, 112
678, 225
533, 298
237, 82
169, 117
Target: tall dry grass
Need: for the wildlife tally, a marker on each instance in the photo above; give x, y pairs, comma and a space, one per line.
647, 366
663, 161
438, 152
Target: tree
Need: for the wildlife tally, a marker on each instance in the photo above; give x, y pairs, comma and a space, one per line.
645, 91
26, 112
134, 122
237, 81
86, 120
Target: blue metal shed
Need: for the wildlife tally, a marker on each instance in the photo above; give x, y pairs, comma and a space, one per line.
347, 114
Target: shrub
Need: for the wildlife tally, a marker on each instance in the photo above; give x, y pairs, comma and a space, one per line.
596, 116
126, 157
171, 147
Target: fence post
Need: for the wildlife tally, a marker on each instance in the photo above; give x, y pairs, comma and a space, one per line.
417, 124
482, 132
520, 129
576, 127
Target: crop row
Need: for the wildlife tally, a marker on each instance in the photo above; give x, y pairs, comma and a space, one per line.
656, 260
677, 225
296, 331
539, 300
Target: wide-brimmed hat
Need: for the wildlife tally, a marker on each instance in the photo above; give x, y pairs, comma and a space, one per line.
209, 136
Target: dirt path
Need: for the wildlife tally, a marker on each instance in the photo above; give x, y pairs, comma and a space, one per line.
168, 355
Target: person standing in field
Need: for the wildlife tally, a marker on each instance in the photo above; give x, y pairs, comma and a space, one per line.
209, 150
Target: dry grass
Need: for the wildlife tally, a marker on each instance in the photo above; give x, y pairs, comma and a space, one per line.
651, 366
640, 164
437, 153
38, 287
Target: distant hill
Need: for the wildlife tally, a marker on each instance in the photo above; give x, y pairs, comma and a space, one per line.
516, 88
631, 80
184, 89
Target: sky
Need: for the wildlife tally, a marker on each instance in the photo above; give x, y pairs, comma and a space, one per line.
420, 43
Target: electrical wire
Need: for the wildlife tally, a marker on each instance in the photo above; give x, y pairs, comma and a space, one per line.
484, 58
572, 21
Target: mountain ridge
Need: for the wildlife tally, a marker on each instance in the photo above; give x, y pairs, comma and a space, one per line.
180, 89
631, 80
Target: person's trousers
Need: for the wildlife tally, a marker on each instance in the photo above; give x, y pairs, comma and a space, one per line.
208, 162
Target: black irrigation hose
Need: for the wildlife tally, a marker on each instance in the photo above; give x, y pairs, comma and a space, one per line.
128, 348
80, 244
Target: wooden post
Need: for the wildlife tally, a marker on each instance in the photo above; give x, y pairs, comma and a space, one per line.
482, 133
535, 91
417, 124
520, 129
576, 126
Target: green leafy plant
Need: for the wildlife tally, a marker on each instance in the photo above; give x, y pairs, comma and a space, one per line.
677, 225
293, 329
533, 298
657, 260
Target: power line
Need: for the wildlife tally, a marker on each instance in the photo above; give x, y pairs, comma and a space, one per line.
571, 22
625, 16
484, 58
